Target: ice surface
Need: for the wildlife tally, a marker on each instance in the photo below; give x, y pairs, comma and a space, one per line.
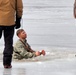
50, 25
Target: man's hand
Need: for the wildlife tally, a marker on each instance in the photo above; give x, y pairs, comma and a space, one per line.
17, 23
37, 53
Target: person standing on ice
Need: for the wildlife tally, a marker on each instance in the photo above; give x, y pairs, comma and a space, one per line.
10, 16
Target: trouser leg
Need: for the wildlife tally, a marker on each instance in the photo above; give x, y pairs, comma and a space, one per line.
8, 50
0, 32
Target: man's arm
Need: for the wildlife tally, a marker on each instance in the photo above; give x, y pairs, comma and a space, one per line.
19, 47
19, 12
19, 8
75, 9
29, 48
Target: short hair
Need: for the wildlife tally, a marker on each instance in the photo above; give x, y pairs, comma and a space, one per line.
19, 31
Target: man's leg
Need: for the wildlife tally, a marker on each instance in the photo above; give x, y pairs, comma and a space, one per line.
0, 32
8, 50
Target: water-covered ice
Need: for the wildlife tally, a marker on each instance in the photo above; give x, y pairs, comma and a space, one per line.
50, 25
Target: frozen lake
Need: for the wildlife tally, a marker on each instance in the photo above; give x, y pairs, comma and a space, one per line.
50, 25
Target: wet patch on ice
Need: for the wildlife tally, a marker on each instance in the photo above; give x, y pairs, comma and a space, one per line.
51, 55
1, 57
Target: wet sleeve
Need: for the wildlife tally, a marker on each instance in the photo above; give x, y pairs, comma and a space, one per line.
23, 52
30, 49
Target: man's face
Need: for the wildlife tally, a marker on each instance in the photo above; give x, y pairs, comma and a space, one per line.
23, 35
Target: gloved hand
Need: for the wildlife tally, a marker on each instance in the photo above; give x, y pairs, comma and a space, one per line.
17, 23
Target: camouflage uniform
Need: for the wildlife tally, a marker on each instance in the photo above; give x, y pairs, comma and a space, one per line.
23, 50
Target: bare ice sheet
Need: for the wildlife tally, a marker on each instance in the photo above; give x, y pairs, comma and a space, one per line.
57, 61
51, 26
66, 66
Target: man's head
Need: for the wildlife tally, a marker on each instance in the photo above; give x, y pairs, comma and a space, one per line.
21, 34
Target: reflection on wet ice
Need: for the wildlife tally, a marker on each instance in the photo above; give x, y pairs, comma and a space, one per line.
15, 71
7, 72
